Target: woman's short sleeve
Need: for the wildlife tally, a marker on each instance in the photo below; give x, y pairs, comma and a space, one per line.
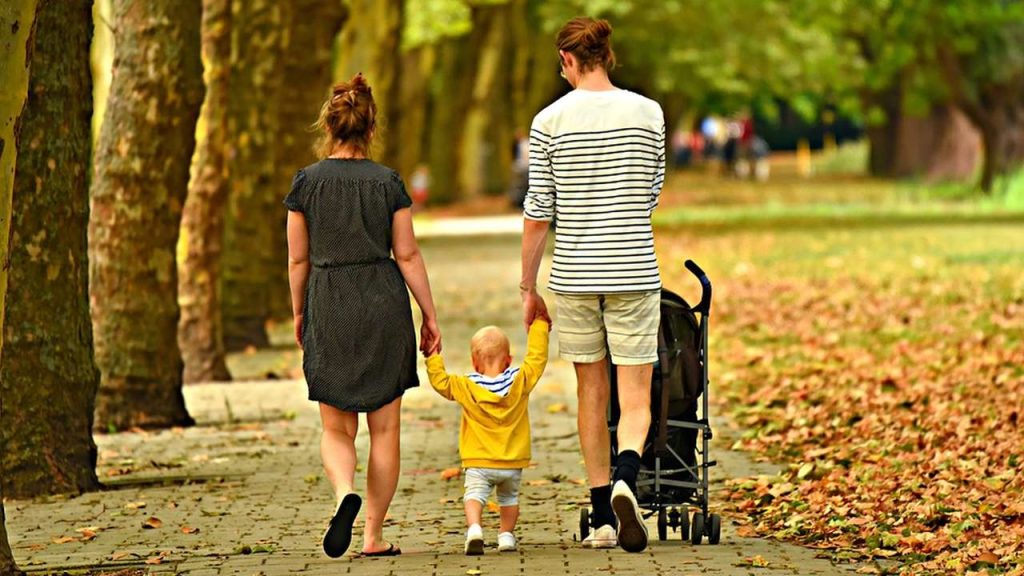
296, 198
399, 197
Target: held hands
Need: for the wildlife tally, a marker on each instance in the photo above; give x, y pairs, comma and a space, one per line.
430, 338
533, 308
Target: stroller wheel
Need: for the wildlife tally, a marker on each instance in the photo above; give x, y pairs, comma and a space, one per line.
662, 525
697, 528
684, 523
584, 523
715, 534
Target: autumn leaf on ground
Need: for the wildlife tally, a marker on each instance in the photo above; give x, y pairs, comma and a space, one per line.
152, 523
64, 539
449, 473
493, 506
135, 505
155, 560
189, 530
88, 533
757, 561
557, 407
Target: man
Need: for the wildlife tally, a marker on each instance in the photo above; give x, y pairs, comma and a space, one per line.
597, 164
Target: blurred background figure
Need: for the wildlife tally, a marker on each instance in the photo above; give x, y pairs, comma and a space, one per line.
520, 180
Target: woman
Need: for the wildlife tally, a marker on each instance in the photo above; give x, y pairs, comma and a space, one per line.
347, 217
597, 163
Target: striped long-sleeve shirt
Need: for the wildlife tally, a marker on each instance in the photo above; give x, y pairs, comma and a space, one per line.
597, 164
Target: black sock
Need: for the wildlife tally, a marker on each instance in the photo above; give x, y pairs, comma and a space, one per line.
627, 466
601, 504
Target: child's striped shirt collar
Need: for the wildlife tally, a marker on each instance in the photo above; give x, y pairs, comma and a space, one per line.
499, 384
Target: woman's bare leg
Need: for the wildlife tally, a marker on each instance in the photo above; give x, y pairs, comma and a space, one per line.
382, 471
338, 448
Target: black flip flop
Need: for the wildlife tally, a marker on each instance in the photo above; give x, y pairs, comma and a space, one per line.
391, 550
339, 533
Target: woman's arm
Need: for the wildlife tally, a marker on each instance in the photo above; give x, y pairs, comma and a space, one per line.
410, 262
298, 267
534, 236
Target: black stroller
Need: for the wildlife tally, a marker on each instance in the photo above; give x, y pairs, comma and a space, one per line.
674, 474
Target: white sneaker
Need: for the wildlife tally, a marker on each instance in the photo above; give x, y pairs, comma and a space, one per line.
474, 541
632, 531
603, 537
507, 542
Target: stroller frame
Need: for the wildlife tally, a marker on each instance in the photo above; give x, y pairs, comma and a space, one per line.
661, 502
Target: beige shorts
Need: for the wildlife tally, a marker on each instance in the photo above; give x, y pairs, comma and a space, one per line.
591, 324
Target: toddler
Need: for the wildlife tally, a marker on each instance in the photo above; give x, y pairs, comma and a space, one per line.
494, 439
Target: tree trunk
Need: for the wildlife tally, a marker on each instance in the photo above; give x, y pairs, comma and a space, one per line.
200, 332
307, 72
17, 27
996, 109
882, 137
142, 172
253, 204
373, 46
48, 379
417, 67
486, 142
1003, 137
450, 98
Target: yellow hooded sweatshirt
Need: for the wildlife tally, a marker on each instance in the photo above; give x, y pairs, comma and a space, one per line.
495, 430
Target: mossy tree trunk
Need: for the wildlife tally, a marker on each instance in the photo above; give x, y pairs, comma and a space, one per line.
48, 379
373, 46
417, 68
307, 73
17, 25
140, 186
248, 266
487, 136
451, 93
200, 332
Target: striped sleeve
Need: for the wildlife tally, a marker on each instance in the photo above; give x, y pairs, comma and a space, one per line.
659, 173
540, 197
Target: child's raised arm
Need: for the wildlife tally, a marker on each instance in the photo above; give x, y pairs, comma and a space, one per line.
536, 353
450, 386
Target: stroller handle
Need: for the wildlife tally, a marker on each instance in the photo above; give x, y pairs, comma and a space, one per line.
704, 307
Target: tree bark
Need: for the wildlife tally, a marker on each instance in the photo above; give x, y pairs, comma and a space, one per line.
48, 379
17, 27
373, 46
996, 109
200, 332
307, 72
142, 170
417, 67
451, 96
487, 137
253, 203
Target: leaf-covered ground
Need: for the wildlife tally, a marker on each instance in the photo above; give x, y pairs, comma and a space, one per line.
883, 363
867, 336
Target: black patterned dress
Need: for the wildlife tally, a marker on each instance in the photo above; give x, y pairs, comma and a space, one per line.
357, 333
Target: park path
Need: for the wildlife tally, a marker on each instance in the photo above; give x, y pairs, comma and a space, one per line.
243, 491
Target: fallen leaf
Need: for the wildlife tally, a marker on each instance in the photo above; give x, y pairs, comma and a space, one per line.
189, 530
449, 473
152, 523
64, 539
557, 408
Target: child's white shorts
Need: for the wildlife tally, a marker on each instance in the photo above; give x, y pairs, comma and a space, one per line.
480, 482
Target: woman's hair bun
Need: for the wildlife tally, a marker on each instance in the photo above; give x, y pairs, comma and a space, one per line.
601, 29
589, 40
348, 116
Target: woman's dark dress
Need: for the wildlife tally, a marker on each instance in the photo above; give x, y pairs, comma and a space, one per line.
357, 330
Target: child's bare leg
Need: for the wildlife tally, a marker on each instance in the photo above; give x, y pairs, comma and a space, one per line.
509, 517
474, 511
